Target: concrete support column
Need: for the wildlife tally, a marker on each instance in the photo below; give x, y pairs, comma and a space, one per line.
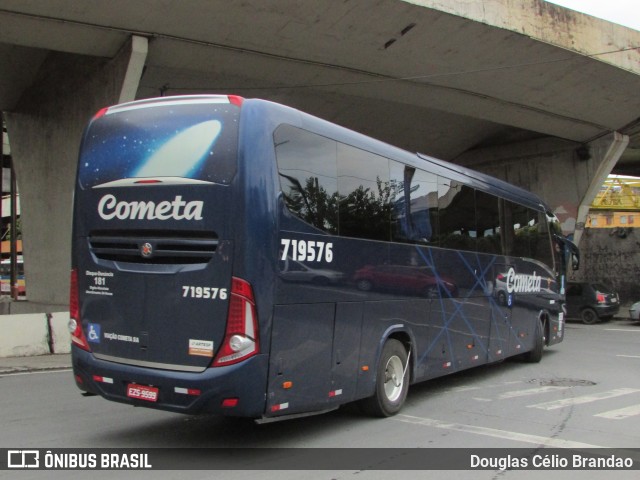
138, 50
45, 130
604, 154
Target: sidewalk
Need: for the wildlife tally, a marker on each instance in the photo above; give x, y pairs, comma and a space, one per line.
35, 363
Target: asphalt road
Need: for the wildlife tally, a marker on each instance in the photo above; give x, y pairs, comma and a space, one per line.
584, 394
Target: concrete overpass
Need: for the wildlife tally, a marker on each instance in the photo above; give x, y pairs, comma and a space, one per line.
531, 92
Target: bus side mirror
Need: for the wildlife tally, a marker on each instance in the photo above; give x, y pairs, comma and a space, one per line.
575, 261
570, 250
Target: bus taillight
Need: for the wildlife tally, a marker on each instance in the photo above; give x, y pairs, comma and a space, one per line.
235, 100
75, 325
241, 336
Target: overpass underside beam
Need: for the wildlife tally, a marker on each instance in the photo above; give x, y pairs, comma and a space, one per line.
565, 174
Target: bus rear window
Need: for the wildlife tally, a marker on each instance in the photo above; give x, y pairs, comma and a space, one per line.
194, 140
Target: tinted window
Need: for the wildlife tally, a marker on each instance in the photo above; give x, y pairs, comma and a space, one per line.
456, 215
488, 223
526, 233
574, 290
415, 204
365, 191
308, 179
354, 193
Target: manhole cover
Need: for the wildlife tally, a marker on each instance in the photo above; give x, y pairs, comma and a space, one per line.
563, 382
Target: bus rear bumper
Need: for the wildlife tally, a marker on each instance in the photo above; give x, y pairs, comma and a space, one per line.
236, 390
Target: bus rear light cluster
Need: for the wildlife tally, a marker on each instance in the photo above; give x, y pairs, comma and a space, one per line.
241, 336
75, 325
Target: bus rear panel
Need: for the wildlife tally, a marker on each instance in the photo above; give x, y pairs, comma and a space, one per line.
152, 281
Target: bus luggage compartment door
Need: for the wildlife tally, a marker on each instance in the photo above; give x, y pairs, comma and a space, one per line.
301, 358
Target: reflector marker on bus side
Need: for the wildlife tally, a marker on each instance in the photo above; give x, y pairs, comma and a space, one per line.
335, 393
282, 406
446, 365
230, 402
187, 391
98, 378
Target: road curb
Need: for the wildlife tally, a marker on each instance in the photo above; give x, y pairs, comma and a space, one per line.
38, 363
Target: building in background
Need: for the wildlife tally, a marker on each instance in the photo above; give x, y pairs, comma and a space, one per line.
12, 279
611, 240
617, 205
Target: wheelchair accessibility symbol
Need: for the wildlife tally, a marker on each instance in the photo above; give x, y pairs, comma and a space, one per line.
94, 333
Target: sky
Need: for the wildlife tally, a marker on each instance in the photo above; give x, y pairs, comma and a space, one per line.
623, 12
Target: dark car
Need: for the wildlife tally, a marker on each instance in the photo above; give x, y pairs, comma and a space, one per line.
591, 302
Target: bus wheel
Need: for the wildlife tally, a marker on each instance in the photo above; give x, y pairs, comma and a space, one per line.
392, 381
535, 355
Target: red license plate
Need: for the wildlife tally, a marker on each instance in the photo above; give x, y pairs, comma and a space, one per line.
142, 392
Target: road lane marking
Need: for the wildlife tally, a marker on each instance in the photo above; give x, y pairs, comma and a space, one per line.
529, 391
621, 413
567, 402
495, 433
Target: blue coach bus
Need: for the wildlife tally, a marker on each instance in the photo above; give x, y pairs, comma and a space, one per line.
240, 257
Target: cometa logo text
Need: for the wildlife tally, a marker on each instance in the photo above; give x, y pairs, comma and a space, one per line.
521, 283
109, 208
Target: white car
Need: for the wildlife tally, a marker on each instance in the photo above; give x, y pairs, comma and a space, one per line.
634, 311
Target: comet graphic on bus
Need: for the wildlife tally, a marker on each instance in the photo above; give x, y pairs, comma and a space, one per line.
191, 147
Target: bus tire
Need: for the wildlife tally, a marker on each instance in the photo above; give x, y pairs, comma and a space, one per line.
392, 381
535, 355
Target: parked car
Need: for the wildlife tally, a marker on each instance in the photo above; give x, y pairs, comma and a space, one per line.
591, 302
634, 311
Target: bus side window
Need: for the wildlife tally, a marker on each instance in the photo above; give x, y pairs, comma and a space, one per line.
364, 189
307, 168
488, 223
415, 204
456, 215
